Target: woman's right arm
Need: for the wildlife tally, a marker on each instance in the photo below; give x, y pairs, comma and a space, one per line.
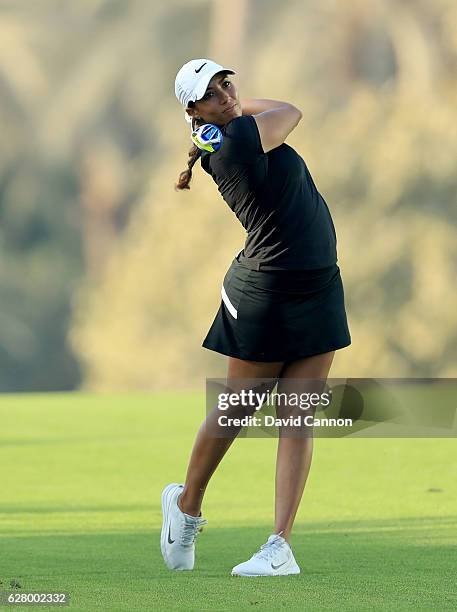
275, 120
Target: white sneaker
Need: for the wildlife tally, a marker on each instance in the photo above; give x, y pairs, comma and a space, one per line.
179, 530
275, 558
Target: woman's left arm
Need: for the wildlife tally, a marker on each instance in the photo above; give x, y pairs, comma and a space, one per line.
254, 106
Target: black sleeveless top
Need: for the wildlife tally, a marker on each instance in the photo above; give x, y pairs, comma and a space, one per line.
288, 222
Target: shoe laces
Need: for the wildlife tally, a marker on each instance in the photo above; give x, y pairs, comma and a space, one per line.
193, 525
267, 550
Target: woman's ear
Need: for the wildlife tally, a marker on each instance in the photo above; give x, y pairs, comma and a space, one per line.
193, 113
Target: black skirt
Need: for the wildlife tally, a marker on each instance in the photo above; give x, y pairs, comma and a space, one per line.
279, 315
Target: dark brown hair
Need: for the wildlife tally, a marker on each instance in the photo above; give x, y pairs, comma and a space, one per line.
194, 153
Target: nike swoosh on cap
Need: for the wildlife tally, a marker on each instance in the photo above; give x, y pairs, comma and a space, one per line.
170, 541
280, 565
201, 67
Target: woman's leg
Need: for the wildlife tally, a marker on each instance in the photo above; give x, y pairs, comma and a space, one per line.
208, 449
294, 453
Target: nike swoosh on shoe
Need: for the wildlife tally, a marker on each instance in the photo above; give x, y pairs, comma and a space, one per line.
275, 567
170, 541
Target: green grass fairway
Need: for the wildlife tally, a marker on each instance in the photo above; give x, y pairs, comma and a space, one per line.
80, 512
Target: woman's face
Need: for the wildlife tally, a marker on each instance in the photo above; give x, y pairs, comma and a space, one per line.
220, 103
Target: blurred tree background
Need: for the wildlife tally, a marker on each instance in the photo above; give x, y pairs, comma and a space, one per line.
109, 279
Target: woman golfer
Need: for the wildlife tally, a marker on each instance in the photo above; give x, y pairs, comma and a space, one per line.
282, 314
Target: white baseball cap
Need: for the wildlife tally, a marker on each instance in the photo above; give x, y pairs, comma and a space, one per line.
193, 79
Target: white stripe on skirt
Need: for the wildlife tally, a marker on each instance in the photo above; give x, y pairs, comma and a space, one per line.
230, 307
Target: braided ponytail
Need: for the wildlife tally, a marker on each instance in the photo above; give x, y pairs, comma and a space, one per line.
194, 154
